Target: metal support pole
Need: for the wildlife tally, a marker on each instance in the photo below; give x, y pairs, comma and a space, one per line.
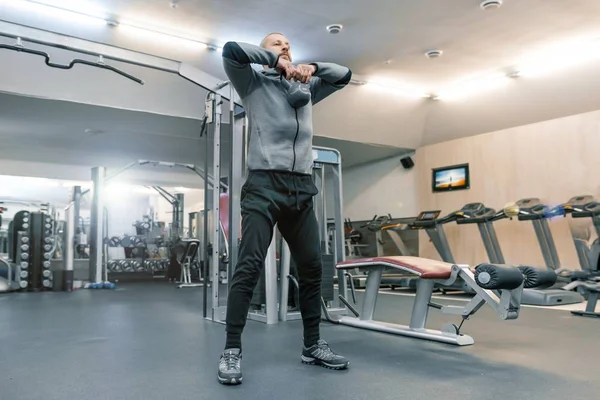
324, 228
318, 202
178, 214
545, 228
543, 242
487, 243
271, 283
77, 206
284, 271
338, 198
246, 143
69, 253
235, 180
205, 229
440, 242
96, 240
216, 212
105, 245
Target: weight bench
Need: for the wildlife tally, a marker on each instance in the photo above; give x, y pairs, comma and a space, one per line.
500, 286
186, 256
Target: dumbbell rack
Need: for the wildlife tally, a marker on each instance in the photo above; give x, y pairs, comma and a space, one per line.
134, 268
33, 250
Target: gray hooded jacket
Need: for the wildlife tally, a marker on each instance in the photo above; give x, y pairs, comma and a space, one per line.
280, 135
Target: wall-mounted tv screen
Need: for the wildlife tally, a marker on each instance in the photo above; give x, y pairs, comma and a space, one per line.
455, 177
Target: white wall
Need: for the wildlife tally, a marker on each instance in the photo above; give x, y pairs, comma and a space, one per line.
383, 187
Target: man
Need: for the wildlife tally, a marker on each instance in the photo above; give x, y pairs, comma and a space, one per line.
279, 188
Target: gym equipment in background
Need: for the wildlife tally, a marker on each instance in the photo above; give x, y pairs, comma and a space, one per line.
499, 286
530, 209
588, 254
386, 224
434, 227
32, 248
7, 277
186, 257
592, 289
484, 217
98, 64
272, 301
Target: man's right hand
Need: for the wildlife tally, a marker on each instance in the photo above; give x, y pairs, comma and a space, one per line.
286, 68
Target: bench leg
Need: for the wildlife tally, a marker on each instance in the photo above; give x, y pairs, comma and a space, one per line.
421, 304
371, 292
592, 300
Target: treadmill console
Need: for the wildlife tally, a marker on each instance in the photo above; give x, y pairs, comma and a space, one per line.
428, 215
426, 219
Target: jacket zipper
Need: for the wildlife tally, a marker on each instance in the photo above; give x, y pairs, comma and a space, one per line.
295, 138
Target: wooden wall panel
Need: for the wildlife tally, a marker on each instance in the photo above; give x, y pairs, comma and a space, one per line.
552, 160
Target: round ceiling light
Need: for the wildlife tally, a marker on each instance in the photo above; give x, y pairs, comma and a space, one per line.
490, 4
434, 53
334, 28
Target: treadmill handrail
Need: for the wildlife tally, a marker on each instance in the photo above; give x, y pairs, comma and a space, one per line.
479, 216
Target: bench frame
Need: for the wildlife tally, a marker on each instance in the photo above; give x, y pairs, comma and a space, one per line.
506, 303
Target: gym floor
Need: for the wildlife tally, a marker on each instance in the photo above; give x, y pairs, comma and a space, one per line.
149, 341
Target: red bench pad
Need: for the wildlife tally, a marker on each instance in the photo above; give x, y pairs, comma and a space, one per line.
424, 267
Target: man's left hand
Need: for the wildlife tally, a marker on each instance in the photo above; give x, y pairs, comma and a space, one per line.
304, 72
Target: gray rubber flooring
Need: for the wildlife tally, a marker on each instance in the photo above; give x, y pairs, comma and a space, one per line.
149, 341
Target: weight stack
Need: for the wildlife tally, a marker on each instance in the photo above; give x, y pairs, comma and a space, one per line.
23, 259
41, 252
20, 246
20, 223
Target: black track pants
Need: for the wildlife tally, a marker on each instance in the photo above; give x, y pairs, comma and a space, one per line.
267, 198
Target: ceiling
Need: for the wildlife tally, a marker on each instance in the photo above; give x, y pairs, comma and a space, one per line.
474, 41
52, 131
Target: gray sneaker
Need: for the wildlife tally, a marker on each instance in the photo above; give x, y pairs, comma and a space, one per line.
321, 354
230, 367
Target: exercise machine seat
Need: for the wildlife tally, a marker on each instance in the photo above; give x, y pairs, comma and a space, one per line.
423, 267
224, 213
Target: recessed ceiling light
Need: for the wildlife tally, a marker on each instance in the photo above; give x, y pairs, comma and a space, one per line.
433, 53
490, 4
335, 28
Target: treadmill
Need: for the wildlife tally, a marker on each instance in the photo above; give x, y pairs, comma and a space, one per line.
530, 209
434, 227
585, 207
484, 218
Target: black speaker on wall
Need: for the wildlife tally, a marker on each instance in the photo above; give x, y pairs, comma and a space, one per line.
407, 162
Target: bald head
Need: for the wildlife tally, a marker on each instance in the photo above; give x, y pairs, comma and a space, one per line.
278, 44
